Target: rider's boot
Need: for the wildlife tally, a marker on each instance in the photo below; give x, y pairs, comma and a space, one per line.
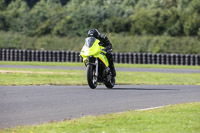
112, 68
111, 64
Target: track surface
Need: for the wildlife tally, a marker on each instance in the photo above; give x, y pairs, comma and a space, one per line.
118, 69
25, 105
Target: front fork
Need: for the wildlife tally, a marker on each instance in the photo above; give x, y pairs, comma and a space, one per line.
96, 63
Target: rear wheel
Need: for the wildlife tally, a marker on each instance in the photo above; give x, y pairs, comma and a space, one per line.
110, 83
91, 76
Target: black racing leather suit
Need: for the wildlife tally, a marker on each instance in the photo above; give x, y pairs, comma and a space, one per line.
104, 41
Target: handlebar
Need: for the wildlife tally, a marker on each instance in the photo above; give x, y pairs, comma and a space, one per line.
109, 50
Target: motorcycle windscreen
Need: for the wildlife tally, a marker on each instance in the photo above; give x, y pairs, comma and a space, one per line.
89, 41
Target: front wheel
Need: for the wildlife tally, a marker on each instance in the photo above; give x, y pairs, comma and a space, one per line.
91, 76
110, 83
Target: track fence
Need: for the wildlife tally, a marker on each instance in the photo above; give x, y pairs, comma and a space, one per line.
69, 56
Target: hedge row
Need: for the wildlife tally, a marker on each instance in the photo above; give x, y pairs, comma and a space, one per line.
120, 42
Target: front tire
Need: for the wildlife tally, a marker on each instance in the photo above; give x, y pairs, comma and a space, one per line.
111, 83
91, 76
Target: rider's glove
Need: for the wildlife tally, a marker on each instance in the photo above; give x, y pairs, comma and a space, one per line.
107, 49
103, 36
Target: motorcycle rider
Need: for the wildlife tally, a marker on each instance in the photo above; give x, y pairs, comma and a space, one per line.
107, 47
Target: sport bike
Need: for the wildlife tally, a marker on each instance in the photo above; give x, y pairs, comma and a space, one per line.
94, 58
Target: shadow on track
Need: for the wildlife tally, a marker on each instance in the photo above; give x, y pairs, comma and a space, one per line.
140, 89
136, 89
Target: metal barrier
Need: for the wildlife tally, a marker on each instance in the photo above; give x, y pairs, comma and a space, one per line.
69, 56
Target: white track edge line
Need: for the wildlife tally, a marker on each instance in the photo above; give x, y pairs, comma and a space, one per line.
151, 108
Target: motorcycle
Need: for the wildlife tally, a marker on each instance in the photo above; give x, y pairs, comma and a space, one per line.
96, 62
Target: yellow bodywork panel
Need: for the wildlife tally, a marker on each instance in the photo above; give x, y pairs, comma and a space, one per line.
94, 50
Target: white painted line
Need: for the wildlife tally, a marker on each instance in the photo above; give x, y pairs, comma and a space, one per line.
151, 108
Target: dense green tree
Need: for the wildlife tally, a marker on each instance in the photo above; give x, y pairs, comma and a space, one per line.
3, 24
17, 16
155, 17
44, 16
2, 4
192, 18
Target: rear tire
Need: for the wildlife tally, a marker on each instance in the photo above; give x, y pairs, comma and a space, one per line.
111, 83
91, 76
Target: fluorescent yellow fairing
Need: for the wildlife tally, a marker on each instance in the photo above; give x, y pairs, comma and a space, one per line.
94, 50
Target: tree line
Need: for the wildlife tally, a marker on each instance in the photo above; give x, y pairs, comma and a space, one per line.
75, 17
153, 26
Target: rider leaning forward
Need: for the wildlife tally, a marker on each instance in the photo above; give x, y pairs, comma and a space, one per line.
105, 43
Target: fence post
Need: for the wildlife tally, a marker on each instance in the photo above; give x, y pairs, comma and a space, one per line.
53, 56
181, 59
40, 55
45, 56
145, 58
61, 56
3, 55
125, 58
130, 58
188, 60
121, 58
177, 59
6, 54
113, 55
136, 58
49, 56
139, 58
164, 59
57, 56
23, 56
157, 59
0, 54
198, 60
149, 58
192, 60
72, 56
68, 55
154, 58
35, 55
77, 56
118, 57
171, 59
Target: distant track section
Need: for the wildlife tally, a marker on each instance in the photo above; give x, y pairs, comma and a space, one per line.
118, 69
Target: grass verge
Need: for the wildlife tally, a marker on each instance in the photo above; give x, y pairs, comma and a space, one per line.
13, 76
182, 118
76, 64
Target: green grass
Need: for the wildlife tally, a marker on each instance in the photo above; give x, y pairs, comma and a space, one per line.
182, 118
14, 76
82, 65
77, 77
41, 77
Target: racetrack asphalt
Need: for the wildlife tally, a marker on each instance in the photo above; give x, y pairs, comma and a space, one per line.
30, 105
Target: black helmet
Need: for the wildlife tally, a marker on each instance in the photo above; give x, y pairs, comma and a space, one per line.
94, 33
